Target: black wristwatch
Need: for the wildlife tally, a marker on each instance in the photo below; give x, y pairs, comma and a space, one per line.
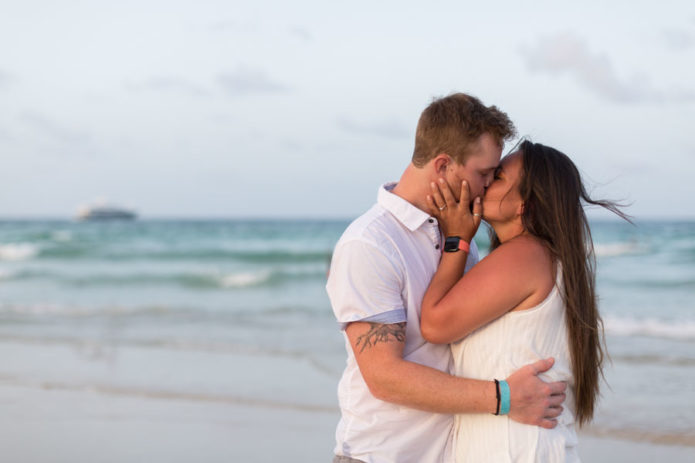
455, 244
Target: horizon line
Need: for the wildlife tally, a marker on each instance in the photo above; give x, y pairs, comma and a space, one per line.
56, 218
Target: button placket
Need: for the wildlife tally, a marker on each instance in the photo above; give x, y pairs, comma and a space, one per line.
435, 234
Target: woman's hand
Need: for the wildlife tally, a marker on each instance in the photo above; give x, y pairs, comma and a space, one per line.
455, 217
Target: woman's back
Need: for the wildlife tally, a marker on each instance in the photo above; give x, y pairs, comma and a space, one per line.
495, 351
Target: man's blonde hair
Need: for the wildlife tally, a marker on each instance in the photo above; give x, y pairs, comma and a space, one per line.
450, 124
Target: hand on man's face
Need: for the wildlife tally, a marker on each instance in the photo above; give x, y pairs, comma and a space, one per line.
476, 182
479, 167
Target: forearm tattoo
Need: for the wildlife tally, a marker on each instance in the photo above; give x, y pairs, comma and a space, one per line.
379, 332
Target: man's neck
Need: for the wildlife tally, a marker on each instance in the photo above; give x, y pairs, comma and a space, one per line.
413, 187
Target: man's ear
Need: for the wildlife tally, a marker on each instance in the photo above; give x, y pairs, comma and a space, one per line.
441, 162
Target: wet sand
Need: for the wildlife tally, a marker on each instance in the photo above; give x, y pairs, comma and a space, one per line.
45, 424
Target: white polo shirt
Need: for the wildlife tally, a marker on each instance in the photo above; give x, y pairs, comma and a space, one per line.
380, 270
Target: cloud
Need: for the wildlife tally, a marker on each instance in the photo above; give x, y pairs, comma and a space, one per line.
230, 25
224, 25
245, 81
302, 33
567, 54
5, 78
5, 134
168, 84
53, 129
630, 166
386, 128
678, 39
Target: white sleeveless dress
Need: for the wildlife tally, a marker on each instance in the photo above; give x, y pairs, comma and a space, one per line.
495, 351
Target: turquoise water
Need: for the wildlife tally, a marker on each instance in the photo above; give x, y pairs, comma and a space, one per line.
258, 286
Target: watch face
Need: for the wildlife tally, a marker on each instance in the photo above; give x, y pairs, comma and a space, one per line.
451, 244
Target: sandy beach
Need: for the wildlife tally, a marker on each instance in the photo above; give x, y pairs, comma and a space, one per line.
55, 407
54, 425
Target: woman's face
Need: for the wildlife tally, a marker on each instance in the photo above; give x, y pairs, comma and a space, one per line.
502, 200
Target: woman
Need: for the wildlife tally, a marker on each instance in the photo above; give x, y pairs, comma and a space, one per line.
532, 297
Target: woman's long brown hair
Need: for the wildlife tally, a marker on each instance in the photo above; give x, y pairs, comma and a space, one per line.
553, 194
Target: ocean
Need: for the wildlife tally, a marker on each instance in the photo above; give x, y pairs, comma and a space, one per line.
236, 311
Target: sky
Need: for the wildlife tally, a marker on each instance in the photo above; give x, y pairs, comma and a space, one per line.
302, 109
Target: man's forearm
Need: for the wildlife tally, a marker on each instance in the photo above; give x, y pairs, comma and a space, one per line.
417, 386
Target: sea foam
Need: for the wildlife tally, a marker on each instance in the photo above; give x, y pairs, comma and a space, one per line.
61, 236
245, 279
650, 327
618, 249
18, 251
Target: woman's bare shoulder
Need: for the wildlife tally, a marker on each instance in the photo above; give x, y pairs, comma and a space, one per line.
526, 254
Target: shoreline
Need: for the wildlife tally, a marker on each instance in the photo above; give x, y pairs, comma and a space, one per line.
640, 436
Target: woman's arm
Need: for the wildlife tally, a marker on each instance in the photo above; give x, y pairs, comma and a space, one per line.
455, 219
453, 305
500, 282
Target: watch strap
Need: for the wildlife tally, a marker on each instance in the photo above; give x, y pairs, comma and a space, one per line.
455, 244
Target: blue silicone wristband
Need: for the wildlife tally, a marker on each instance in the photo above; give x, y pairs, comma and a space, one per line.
505, 399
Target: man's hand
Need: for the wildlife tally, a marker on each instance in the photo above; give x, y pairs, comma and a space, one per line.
534, 401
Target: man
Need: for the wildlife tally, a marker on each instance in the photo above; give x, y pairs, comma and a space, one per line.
396, 396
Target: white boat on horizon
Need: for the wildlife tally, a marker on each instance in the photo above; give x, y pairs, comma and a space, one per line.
105, 212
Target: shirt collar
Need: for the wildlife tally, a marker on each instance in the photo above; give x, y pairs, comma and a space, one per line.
405, 212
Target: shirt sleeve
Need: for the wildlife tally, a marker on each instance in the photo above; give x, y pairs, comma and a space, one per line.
365, 285
473, 257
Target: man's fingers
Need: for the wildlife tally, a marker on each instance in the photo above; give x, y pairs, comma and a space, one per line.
558, 387
548, 424
556, 400
553, 412
542, 365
